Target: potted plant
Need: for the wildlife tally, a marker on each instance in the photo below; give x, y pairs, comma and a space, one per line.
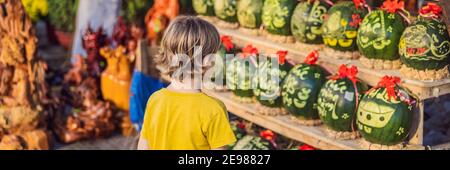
62, 20
36, 9
133, 11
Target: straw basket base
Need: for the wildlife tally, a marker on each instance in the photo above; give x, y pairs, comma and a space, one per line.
372, 146
254, 32
227, 25
278, 38
210, 19
412, 73
270, 111
316, 122
308, 47
379, 64
349, 55
342, 135
242, 99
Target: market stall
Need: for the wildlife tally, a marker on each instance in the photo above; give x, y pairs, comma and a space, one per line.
425, 86
351, 75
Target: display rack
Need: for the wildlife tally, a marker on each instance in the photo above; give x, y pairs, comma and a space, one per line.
315, 136
422, 89
284, 125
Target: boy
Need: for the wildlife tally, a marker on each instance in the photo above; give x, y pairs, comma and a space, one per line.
181, 117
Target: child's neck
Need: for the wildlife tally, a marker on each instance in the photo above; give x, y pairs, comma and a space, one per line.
185, 86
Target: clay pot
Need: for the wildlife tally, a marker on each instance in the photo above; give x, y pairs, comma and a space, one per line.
65, 39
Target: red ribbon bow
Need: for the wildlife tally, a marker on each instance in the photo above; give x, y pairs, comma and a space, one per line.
389, 82
356, 21
226, 41
268, 135
392, 6
249, 50
240, 125
347, 72
281, 56
359, 3
431, 10
306, 147
312, 58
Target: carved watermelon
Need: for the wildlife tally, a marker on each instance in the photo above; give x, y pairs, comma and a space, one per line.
385, 119
337, 103
425, 45
379, 35
276, 16
268, 80
265, 141
250, 142
306, 22
226, 10
239, 130
249, 13
239, 75
226, 51
300, 90
203, 7
339, 29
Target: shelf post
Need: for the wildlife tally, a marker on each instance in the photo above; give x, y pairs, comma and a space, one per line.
416, 137
445, 4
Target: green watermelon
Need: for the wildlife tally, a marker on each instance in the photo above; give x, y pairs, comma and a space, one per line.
220, 66
306, 22
379, 35
239, 74
239, 130
249, 13
339, 29
276, 16
226, 10
337, 103
300, 90
268, 80
227, 48
425, 45
385, 120
250, 142
203, 7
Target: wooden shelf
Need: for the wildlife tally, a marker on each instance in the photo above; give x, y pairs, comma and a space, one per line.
423, 89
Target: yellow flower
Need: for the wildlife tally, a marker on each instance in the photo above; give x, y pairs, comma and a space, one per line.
343, 22
35, 8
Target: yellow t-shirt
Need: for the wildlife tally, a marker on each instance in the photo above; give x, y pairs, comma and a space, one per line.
185, 121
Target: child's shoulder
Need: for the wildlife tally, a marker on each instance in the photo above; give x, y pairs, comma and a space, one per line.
214, 103
158, 94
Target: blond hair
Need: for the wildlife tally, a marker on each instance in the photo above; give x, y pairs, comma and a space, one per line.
182, 36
